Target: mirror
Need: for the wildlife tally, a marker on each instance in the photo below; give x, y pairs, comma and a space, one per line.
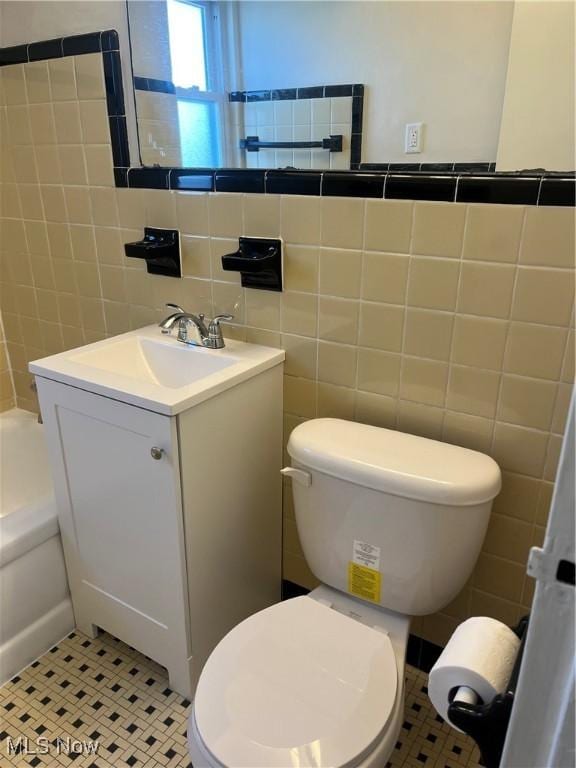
325, 85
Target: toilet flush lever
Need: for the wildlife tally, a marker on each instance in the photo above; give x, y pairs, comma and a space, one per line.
298, 475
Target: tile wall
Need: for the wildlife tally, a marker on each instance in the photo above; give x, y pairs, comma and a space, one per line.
447, 320
298, 120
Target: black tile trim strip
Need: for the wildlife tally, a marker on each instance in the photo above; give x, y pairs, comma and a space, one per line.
153, 84
464, 182
309, 92
420, 653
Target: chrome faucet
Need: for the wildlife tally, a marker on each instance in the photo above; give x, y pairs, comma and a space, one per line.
207, 336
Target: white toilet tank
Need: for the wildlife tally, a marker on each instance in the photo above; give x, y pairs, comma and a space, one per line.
391, 518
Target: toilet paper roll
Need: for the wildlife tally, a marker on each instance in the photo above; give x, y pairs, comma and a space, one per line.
480, 655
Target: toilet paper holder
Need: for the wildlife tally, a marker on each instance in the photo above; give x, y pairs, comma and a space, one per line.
487, 722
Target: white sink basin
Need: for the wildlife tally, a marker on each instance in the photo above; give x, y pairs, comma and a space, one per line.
156, 371
153, 362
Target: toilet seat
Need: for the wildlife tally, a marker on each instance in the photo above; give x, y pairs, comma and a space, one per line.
296, 684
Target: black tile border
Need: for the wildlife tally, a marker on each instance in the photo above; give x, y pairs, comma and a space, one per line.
420, 653
449, 182
154, 85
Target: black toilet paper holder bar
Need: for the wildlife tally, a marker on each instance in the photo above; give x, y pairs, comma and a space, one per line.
487, 723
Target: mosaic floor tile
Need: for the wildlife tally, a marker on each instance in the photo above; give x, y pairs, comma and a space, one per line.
101, 694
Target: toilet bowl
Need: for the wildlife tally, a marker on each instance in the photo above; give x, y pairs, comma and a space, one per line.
392, 525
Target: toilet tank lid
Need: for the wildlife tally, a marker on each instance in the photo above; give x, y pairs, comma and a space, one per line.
395, 462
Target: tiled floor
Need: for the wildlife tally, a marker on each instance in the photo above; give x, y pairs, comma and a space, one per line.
103, 691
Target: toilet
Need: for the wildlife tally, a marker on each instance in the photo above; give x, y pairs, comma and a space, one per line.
391, 524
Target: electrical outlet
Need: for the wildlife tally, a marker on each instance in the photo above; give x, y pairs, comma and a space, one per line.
413, 139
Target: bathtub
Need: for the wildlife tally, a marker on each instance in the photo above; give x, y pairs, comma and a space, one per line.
35, 607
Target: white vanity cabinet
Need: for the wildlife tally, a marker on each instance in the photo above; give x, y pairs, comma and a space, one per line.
171, 524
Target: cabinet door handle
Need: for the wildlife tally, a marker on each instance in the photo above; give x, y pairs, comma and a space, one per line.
156, 453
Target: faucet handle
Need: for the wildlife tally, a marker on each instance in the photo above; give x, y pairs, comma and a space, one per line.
216, 320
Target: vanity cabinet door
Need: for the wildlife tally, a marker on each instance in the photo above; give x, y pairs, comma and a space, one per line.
116, 470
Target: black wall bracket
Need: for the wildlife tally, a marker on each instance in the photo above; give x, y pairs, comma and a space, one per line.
259, 261
161, 250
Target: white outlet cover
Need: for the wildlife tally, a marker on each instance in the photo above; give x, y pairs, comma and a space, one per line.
413, 139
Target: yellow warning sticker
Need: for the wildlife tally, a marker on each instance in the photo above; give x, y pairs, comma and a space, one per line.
364, 582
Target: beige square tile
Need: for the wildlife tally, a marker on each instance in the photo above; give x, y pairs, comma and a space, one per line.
544, 502
94, 122
493, 232
300, 219
92, 314
520, 450
265, 338
24, 165
418, 419
497, 576
67, 122
261, 215
518, 497
388, 225
19, 130
385, 277
472, 432
192, 212
535, 350
113, 286
378, 372
104, 209
72, 164
301, 356
479, 342
433, 283
37, 82
14, 84
89, 76
340, 272
335, 402
131, 211
83, 242
59, 240
99, 165
54, 204
263, 310
438, 229
13, 236
484, 604
381, 326
428, 334
48, 164
543, 296
87, 279
568, 364
225, 215
159, 208
338, 320
342, 222
109, 246
424, 381
337, 364
527, 402
62, 79
195, 256
47, 304
549, 237
218, 248
301, 268
31, 201
509, 538
42, 272
78, 205
10, 202
486, 289
64, 281
378, 410
42, 124
299, 313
